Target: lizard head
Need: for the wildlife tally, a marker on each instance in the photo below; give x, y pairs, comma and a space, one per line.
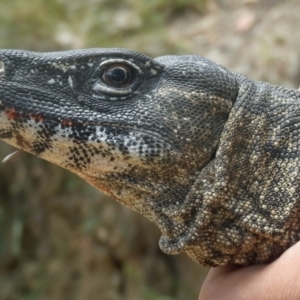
138, 129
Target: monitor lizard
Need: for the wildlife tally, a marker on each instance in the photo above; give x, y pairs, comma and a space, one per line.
209, 155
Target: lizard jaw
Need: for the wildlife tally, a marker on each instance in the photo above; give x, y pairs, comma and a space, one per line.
116, 172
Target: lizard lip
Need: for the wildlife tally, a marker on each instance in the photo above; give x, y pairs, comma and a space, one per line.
15, 115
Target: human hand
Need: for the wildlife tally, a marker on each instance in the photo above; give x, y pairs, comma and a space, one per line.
275, 281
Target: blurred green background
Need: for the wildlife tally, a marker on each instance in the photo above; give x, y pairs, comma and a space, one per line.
61, 239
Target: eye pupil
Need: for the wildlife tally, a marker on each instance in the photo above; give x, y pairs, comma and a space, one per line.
117, 75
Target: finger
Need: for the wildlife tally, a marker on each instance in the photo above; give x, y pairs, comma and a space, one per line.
232, 282
278, 280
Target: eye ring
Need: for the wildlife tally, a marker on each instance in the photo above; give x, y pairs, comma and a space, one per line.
118, 76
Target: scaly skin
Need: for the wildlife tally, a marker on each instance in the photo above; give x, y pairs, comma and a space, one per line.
209, 155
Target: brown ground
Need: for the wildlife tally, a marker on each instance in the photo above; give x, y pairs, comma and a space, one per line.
59, 238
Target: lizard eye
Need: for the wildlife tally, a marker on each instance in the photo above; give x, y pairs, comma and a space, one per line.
118, 76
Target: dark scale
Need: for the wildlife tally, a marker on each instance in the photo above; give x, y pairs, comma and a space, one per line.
4, 134
40, 147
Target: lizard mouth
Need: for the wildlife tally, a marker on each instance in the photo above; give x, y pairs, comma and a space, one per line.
13, 114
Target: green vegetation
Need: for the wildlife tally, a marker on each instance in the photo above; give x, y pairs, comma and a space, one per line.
63, 24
